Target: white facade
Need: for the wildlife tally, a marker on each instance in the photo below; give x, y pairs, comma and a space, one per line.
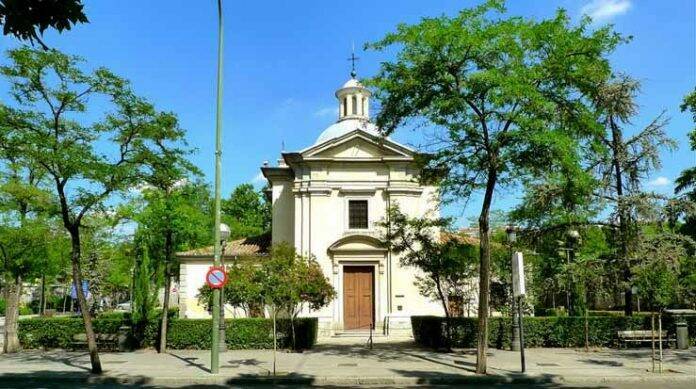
315, 190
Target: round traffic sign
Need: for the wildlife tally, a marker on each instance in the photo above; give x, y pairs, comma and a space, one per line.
216, 277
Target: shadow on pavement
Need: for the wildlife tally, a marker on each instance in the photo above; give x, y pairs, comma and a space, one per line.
190, 361
62, 379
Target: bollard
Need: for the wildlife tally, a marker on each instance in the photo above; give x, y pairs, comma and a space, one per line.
682, 336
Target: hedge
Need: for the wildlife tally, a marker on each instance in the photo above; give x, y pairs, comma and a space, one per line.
429, 331
248, 333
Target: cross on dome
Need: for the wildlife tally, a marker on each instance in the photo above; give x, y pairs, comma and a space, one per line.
353, 97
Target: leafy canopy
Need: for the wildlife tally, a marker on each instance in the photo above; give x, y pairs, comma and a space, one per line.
504, 95
247, 212
28, 19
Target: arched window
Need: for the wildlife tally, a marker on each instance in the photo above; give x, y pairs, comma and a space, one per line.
354, 100
363, 106
345, 106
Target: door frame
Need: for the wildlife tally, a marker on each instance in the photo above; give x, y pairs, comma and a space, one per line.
373, 293
376, 290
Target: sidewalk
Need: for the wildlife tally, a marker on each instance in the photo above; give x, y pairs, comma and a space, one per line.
351, 364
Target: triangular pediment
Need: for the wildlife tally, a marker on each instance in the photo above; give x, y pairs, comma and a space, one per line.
358, 145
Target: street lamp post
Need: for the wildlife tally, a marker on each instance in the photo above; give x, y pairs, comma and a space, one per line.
224, 235
573, 237
512, 238
215, 349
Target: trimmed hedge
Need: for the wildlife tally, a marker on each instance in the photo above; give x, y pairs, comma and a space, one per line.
58, 332
429, 331
249, 333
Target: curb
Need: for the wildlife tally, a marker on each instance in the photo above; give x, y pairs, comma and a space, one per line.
251, 380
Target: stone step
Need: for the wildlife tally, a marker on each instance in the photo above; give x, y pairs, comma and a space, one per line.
357, 334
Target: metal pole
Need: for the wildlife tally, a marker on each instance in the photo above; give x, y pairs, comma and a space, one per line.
215, 348
519, 316
223, 326
515, 344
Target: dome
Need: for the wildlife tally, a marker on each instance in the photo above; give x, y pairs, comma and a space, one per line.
343, 127
352, 83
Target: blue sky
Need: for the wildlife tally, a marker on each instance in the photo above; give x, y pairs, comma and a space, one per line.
284, 60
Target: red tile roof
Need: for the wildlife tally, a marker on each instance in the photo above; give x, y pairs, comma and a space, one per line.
254, 246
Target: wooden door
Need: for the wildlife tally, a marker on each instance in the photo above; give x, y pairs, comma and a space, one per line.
358, 297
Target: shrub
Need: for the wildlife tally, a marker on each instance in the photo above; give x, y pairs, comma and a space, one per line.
550, 312
59, 332
2, 307
566, 331
249, 333
25, 310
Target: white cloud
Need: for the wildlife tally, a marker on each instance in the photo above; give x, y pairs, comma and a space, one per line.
327, 112
660, 181
603, 10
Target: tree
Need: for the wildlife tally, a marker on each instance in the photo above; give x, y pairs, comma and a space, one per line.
173, 217
24, 232
288, 281
144, 297
86, 163
247, 212
284, 282
445, 260
626, 162
22, 251
28, 19
242, 290
505, 97
686, 182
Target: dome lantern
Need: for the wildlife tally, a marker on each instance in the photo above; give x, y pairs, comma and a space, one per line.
353, 101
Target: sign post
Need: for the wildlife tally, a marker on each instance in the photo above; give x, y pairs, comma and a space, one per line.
518, 291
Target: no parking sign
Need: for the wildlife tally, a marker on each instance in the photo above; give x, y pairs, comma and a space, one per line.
216, 277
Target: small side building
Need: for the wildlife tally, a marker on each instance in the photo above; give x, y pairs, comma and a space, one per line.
194, 264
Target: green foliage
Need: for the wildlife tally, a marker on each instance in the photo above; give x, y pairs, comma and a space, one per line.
283, 281
28, 19
498, 87
24, 249
144, 297
448, 263
686, 182
508, 98
566, 331
247, 212
243, 289
663, 270
87, 155
251, 333
59, 332
248, 333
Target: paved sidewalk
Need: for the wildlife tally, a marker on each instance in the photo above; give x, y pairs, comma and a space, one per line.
351, 363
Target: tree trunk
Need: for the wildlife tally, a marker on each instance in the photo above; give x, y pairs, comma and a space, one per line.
275, 341
42, 298
587, 332
618, 156
652, 338
167, 288
445, 306
82, 301
13, 290
484, 274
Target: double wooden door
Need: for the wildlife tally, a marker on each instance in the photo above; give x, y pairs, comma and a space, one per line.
358, 297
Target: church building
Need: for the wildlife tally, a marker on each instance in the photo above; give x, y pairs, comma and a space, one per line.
327, 201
